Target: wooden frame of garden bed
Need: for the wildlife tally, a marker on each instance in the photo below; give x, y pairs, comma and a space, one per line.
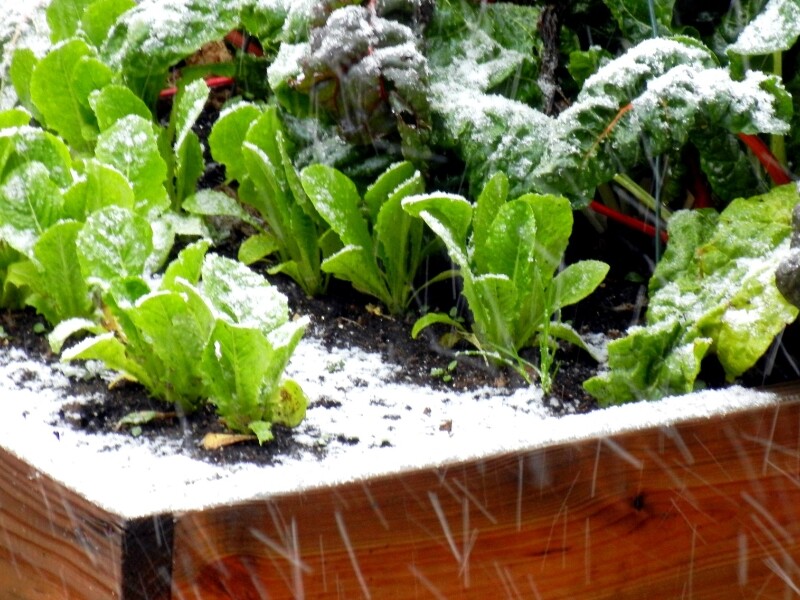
703, 508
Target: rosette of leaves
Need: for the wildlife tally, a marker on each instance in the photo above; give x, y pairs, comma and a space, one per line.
366, 73
209, 329
382, 246
508, 255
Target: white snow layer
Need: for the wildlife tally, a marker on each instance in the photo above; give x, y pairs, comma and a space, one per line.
399, 427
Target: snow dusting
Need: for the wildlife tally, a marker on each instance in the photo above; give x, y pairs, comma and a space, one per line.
353, 397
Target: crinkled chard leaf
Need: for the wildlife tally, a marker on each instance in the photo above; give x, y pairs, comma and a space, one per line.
714, 290
367, 73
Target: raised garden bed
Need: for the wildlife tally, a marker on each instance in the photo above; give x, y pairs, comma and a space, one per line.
341, 331
692, 496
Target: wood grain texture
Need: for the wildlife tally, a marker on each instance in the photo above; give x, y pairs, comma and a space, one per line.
55, 545
704, 510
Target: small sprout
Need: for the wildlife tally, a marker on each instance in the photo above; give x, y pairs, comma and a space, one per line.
446, 373
335, 367
39, 328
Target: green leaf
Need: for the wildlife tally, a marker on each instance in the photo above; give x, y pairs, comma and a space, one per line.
100, 15
775, 29
257, 247
57, 289
383, 187
431, 319
399, 241
565, 332
491, 199
113, 102
112, 352
493, 302
64, 17
636, 21
189, 162
154, 35
114, 244
649, 364
176, 326
228, 135
263, 431
448, 216
22, 145
23, 63
69, 327
59, 94
101, 186
187, 266
235, 361
354, 264
245, 297
130, 145
508, 248
337, 200
577, 281
214, 203
714, 290
288, 404
29, 204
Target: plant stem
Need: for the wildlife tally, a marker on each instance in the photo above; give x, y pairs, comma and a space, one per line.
641, 195
776, 142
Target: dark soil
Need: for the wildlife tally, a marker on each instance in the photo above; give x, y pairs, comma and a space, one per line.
345, 318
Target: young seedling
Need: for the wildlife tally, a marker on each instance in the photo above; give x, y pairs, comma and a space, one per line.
508, 254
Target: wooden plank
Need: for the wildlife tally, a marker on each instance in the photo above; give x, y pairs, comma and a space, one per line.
54, 544
704, 510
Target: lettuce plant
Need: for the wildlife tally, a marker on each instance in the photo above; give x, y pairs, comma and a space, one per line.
250, 142
208, 330
714, 291
509, 265
382, 245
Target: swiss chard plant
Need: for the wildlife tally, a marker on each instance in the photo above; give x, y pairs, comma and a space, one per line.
508, 254
382, 246
658, 97
714, 291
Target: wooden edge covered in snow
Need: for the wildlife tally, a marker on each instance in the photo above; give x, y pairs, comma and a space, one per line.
56, 544
704, 508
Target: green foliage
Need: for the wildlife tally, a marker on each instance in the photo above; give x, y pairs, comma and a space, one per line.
365, 72
130, 145
639, 20
152, 36
652, 100
713, 291
184, 154
774, 29
509, 267
213, 308
382, 245
251, 143
60, 86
